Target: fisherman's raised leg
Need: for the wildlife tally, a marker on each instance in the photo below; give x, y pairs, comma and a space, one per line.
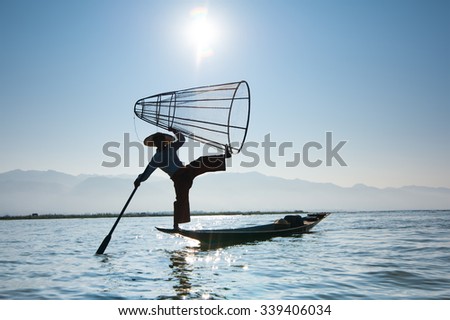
212, 163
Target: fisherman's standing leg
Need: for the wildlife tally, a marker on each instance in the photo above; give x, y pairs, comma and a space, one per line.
181, 210
181, 213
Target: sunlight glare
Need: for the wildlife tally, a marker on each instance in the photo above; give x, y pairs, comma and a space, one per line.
202, 33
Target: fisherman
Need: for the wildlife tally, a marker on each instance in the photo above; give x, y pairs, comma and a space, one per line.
166, 159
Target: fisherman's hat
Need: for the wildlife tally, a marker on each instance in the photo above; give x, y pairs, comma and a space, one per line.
155, 139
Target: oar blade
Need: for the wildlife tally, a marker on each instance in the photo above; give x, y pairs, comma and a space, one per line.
104, 244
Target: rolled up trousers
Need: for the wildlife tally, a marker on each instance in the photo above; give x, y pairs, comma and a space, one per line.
183, 179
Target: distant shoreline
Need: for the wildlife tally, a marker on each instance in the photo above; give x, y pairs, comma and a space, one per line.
35, 216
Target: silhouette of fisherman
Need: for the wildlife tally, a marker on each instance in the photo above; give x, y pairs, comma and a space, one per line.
166, 159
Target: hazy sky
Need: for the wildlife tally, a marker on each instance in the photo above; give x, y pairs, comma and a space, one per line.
374, 73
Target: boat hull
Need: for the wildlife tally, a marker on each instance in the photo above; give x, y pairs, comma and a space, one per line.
220, 237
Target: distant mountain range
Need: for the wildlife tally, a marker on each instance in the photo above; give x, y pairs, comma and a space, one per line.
26, 192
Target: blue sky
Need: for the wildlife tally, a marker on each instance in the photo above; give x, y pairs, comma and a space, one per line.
374, 73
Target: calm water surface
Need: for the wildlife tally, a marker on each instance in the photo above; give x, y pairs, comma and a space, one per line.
367, 255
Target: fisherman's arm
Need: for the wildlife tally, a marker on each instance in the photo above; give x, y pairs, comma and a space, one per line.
147, 172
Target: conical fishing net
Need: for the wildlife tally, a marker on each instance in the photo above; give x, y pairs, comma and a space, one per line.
217, 115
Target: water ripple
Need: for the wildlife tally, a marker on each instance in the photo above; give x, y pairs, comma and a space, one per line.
366, 255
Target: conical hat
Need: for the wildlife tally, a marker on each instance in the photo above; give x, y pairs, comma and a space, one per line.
154, 139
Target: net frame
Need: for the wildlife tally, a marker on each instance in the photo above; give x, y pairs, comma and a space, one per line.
171, 110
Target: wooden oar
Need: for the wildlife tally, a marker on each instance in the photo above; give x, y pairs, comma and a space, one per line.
105, 242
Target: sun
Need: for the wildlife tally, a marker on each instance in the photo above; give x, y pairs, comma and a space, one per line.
202, 33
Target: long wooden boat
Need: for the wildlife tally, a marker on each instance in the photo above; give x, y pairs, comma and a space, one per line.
219, 237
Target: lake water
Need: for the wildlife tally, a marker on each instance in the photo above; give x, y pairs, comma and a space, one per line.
364, 255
